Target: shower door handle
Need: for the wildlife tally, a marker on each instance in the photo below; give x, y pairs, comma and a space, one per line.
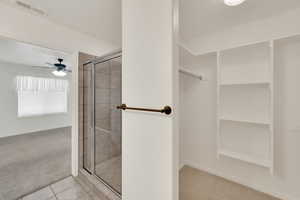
166, 110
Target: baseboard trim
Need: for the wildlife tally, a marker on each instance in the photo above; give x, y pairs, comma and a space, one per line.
276, 194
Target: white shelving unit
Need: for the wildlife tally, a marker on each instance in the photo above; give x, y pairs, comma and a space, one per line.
245, 83
245, 97
246, 158
227, 118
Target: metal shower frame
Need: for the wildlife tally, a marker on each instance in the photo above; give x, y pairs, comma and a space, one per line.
94, 62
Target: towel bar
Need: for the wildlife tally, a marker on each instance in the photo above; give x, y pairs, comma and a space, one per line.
167, 109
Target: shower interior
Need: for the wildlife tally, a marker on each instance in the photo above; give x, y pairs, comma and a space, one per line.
102, 122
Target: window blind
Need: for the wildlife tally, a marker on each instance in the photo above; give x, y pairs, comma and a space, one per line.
41, 96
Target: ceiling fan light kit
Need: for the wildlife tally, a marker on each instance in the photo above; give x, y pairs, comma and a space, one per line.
60, 68
59, 73
233, 2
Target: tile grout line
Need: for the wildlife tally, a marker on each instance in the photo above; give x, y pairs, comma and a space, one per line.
53, 192
64, 190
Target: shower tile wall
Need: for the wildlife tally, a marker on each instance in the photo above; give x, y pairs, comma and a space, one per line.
108, 124
108, 139
116, 99
87, 116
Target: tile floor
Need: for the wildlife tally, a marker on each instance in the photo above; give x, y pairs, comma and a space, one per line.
66, 189
194, 185
199, 185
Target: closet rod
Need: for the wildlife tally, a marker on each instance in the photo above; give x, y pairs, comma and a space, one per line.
191, 74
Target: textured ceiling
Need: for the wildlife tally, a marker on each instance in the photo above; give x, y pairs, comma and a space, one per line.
26, 54
199, 17
102, 18
97, 18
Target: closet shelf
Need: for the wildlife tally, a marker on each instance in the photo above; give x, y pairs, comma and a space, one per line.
245, 83
246, 158
223, 118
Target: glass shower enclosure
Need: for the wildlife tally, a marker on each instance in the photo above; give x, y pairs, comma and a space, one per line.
102, 121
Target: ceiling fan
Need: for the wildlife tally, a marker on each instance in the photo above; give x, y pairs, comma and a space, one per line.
61, 69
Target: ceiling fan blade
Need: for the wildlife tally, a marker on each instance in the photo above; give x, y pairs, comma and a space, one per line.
43, 67
50, 64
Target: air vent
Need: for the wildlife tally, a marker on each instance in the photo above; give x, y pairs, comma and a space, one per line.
29, 7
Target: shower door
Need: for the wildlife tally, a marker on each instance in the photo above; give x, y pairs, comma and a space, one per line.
108, 122
102, 146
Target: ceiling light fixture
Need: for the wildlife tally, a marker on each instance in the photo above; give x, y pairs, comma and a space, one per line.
233, 2
59, 73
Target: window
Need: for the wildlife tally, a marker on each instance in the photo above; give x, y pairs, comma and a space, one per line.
40, 96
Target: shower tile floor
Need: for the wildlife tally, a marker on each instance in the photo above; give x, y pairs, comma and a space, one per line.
111, 172
66, 189
199, 185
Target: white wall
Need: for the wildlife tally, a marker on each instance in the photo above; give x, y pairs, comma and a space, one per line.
198, 124
10, 123
33, 29
149, 60
197, 108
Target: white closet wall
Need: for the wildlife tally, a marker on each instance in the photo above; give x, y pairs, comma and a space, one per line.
198, 109
246, 128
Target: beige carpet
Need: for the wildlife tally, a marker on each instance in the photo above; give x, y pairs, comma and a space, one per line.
199, 185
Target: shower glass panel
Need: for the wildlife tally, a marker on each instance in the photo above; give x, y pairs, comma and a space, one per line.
108, 136
88, 119
102, 121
